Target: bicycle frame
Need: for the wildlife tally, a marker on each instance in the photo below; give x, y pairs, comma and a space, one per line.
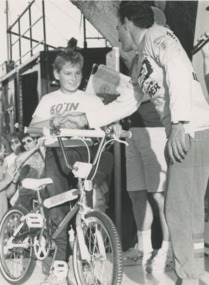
80, 209
75, 210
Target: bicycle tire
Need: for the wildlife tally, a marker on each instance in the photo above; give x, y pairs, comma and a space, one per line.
104, 246
16, 264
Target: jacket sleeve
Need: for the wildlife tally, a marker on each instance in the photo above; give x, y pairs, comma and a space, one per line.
126, 104
168, 52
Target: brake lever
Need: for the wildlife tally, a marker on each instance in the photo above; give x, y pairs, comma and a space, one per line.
115, 138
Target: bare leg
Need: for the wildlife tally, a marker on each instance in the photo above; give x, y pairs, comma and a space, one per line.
159, 199
144, 218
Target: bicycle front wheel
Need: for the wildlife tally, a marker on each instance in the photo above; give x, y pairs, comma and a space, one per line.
16, 256
103, 244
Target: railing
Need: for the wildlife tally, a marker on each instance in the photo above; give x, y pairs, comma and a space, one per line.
22, 35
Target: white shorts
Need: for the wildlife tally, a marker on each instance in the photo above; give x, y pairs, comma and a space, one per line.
145, 162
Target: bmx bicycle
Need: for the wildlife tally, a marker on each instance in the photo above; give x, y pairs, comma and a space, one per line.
25, 237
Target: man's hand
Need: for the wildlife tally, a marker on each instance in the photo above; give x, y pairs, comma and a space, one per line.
71, 121
177, 148
115, 129
205, 48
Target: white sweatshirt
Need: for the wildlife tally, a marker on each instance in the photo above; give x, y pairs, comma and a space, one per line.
58, 103
166, 75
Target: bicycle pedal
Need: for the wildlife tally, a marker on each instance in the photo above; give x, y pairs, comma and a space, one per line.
34, 220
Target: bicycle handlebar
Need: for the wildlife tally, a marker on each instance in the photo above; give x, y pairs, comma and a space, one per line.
73, 132
126, 134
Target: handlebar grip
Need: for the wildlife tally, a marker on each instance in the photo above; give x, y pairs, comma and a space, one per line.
31, 130
36, 131
126, 134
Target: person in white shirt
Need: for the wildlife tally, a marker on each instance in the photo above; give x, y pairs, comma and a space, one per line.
146, 170
8, 177
167, 76
53, 107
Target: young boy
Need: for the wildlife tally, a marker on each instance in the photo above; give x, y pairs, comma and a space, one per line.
4, 181
68, 99
8, 176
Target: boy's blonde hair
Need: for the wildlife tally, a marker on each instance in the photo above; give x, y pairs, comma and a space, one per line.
67, 55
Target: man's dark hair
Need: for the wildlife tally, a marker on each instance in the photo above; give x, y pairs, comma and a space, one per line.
140, 13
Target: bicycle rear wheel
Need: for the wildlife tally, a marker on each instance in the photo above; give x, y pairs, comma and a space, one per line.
16, 263
103, 244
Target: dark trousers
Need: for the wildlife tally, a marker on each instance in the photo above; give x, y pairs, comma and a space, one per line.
62, 181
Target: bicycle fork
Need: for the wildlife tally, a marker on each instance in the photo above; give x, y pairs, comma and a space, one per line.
81, 241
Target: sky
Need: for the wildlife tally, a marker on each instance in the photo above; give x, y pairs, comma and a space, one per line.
63, 21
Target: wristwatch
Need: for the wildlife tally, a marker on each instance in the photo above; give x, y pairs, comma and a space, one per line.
174, 123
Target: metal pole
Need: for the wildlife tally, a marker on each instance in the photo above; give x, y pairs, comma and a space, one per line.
45, 49
8, 36
20, 49
113, 61
44, 24
117, 177
30, 23
84, 32
117, 165
19, 102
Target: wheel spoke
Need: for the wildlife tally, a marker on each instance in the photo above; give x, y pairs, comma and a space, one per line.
104, 248
16, 253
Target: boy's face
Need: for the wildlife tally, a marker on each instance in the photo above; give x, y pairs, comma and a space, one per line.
70, 77
28, 143
15, 144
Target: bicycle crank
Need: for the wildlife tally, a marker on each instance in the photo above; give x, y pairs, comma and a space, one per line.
42, 246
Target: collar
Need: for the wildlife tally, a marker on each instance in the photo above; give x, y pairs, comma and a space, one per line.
142, 35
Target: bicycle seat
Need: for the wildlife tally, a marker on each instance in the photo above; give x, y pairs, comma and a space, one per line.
36, 184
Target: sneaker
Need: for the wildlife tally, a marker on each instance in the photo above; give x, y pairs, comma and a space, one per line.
58, 275
162, 262
54, 280
147, 258
132, 254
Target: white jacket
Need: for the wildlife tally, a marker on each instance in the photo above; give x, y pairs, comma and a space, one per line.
167, 76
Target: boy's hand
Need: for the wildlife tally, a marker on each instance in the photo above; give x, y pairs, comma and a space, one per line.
71, 121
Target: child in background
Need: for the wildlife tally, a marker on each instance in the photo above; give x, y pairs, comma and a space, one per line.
7, 177
32, 159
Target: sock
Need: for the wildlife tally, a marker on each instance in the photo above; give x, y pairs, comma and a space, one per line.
144, 241
166, 246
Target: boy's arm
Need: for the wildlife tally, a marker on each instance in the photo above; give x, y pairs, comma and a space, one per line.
39, 123
126, 104
8, 177
24, 156
5, 181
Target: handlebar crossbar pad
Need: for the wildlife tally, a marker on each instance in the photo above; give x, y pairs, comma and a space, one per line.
66, 132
